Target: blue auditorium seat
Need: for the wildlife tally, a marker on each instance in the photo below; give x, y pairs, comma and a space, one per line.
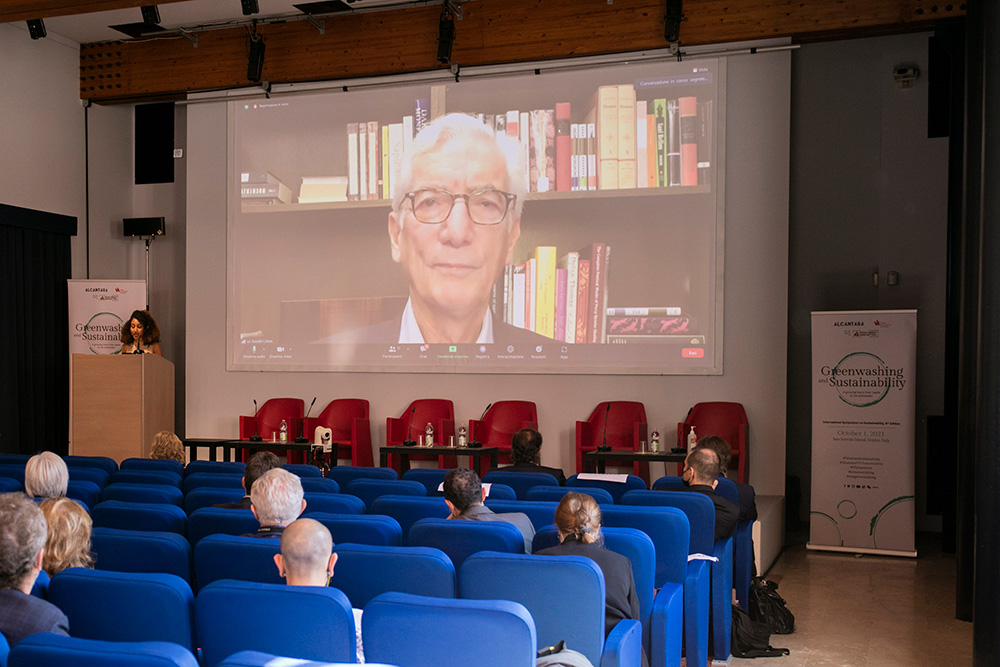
303, 469
407, 510
344, 475
51, 650
374, 529
125, 606
153, 464
541, 513
145, 477
234, 557
484, 633
520, 481
307, 622
139, 516
334, 503
10, 485
258, 659
206, 496
616, 489
212, 520
216, 480
370, 489
431, 478
98, 476
541, 584
141, 551
105, 463
143, 493
319, 485
497, 491
556, 493
461, 539
364, 571
224, 467
84, 491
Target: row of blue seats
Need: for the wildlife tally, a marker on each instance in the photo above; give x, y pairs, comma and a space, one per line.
654, 521
227, 616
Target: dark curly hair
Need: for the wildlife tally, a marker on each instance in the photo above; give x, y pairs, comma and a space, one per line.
524, 446
150, 332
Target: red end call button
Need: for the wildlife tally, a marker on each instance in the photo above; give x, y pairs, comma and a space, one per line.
693, 353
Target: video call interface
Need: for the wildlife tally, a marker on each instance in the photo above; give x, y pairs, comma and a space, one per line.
576, 229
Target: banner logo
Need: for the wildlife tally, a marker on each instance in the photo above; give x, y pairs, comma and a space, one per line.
862, 379
103, 333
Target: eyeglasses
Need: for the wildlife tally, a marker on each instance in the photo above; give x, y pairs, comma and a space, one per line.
486, 207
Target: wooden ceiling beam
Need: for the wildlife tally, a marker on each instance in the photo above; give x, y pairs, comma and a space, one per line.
490, 32
24, 10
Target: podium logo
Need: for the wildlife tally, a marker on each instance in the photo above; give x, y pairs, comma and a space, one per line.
862, 379
102, 333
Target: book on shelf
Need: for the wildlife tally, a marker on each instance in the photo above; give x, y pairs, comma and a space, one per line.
673, 171
652, 170
518, 288
597, 255
353, 174
384, 161
397, 146
363, 160
263, 188
560, 308
626, 137
591, 156
530, 285
688, 112
582, 293
321, 189
640, 325
644, 311
564, 147
437, 107
604, 114
574, 169
542, 135
641, 145
545, 292
705, 138
661, 124
374, 166
570, 263
421, 114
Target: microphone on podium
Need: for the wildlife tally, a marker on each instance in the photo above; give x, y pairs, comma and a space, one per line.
255, 437
410, 442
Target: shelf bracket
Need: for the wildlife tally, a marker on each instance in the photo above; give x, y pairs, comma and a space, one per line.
191, 37
316, 23
455, 7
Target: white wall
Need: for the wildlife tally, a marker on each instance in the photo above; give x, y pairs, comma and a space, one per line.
756, 241
42, 133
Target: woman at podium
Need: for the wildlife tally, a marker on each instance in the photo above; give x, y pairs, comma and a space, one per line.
140, 334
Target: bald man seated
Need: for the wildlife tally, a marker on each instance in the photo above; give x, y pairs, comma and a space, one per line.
307, 559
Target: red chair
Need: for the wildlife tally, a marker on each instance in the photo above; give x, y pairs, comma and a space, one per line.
725, 420
347, 419
439, 412
625, 429
268, 425
498, 426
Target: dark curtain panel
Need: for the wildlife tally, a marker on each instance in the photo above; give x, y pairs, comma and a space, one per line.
34, 371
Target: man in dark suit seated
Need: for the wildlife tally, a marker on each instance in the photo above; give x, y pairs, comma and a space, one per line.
701, 473
464, 494
257, 465
456, 216
746, 495
524, 453
276, 500
22, 546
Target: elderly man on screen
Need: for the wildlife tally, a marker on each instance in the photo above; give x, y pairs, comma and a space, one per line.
456, 216
276, 500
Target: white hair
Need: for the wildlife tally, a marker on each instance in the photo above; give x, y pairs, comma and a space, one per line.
46, 476
277, 497
463, 127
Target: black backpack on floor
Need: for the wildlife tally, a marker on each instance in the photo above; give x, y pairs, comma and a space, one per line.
767, 606
750, 638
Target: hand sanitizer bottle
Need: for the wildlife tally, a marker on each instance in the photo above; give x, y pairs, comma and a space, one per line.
692, 439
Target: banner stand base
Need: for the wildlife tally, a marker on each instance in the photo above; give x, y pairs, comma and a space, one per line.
861, 550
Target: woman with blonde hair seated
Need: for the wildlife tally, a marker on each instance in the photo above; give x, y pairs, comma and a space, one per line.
68, 541
46, 476
166, 445
578, 519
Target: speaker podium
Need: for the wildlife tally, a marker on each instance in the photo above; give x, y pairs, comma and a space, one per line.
119, 402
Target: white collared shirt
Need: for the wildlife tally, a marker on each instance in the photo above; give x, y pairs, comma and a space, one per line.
409, 330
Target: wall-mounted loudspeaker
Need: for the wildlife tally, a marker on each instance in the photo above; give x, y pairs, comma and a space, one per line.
143, 226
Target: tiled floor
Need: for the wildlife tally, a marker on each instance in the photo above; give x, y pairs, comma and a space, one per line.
870, 610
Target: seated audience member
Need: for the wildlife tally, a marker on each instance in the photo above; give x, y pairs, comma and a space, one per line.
68, 542
747, 497
524, 454
167, 445
276, 501
46, 476
22, 549
257, 465
578, 519
464, 493
307, 559
701, 472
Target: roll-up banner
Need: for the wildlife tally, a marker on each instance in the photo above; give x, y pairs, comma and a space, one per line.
97, 311
863, 423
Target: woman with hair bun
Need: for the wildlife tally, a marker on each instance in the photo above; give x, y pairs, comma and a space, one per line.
140, 334
578, 519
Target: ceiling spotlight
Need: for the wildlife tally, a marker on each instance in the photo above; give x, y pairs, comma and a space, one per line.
36, 29
150, 14
250, 7
255, 63
446, 37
